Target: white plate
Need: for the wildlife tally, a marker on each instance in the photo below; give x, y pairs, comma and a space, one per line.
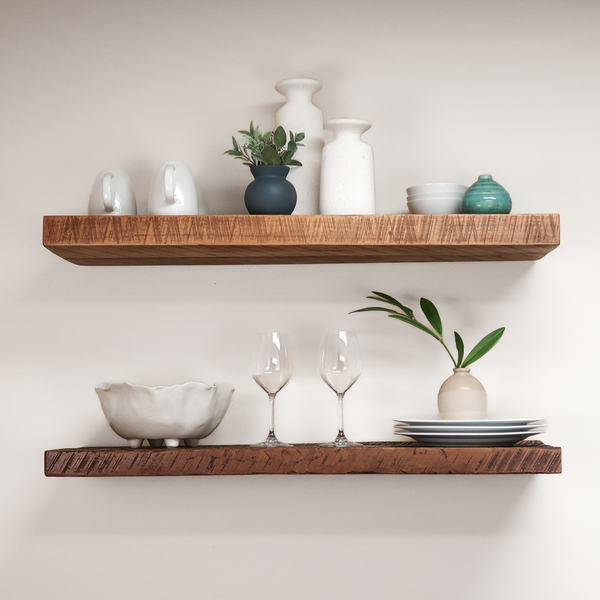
469, 429
470, 439
470, 422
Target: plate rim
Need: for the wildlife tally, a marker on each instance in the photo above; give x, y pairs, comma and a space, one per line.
467, 428
463, 434
468, 422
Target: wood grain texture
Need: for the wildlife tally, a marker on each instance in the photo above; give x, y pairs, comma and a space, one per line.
393, 458
299, 239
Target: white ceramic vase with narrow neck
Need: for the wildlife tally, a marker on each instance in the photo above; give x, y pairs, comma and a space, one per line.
462, 397
347, 171
299, 114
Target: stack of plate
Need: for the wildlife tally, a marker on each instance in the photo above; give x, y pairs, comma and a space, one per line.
479, 432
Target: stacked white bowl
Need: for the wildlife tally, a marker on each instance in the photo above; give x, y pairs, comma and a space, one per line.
435, 198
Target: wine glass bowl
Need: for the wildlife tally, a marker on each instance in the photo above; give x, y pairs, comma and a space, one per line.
272, 369
340, 368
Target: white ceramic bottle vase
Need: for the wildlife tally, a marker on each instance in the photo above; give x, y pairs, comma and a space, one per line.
462, 397
299, 114
347, 172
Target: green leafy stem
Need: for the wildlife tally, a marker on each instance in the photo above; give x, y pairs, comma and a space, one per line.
256, 148
406, 315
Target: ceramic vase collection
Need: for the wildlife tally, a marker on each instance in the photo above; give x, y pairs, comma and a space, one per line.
462, 397
486, 196
270, 193
347, 172
299, 114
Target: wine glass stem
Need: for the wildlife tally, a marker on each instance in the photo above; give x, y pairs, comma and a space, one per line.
272, 419
340, 415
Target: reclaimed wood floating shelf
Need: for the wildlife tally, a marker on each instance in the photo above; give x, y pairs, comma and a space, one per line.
299, 239
392, 458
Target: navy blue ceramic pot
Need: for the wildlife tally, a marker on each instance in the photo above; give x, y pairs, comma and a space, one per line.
270, 193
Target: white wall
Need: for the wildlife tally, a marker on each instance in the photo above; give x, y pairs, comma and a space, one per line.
453, 89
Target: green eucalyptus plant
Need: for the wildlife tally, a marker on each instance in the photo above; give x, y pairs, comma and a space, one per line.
256, 148
406, 315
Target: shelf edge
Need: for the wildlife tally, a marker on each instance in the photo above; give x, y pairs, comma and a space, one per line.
392, 458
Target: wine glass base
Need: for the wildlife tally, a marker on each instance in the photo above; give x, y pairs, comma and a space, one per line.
341, 442
271, 444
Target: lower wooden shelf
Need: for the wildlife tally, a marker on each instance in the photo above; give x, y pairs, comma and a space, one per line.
393, 458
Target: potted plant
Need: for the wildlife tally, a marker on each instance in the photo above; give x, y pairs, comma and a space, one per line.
461, 396
269, 157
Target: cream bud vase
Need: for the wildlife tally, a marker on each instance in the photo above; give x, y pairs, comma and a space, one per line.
462, 397
299, 114
347, 172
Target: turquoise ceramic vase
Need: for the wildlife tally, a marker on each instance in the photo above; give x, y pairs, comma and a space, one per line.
270, 193
486, 196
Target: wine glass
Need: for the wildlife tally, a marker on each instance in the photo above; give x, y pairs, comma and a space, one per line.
340, 368
272, 369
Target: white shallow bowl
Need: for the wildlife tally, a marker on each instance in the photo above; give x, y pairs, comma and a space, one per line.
436, 195
435, 206
427, 188
172, 413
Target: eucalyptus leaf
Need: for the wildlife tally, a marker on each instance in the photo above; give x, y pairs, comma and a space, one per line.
484, 346
299, 137
265, 148
460, 347
295, 163
432, 315
279, 137
270, 156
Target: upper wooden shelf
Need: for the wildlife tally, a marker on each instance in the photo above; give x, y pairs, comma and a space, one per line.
260, 239
384, 458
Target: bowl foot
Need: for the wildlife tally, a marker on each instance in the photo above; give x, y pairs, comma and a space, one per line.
135, 443
172, 442
191, 442
155, 443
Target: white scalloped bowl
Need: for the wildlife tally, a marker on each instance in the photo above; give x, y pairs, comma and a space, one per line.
169, 413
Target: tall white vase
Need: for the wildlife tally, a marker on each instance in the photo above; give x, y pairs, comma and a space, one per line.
299, 114
347, 172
